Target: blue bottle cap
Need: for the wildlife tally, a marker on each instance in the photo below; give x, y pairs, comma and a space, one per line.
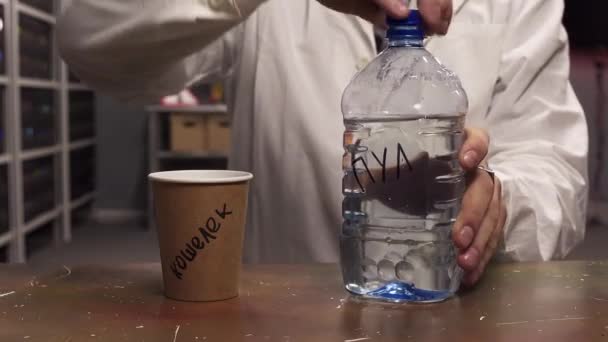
410, 27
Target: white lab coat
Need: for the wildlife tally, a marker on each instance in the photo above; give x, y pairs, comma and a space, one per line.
286, 64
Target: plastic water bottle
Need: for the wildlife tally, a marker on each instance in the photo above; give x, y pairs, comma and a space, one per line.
403, 184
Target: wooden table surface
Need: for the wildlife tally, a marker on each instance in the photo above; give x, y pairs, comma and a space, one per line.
561, 301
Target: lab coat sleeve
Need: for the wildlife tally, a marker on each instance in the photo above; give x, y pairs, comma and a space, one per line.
539, 136
139, 51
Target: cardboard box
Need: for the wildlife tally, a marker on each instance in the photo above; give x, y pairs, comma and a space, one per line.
219, 134
187, 132
193, 132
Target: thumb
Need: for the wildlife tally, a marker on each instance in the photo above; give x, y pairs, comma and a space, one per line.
376, 11
371, 13
474, 149
393, 8
437, 15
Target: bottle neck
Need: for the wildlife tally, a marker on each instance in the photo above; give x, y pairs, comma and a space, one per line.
413, 42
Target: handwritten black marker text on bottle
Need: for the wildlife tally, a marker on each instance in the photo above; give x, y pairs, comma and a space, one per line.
401, 157
206, 235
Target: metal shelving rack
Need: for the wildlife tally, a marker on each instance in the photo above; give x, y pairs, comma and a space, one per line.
14, 156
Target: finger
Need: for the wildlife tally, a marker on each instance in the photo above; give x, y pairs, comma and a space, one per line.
378, 18
473, 256
473, 209
472, 278
437, 15
474, 149
369, 11
393, 8
497, 236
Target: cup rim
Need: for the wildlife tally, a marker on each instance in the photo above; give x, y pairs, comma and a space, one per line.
201, 176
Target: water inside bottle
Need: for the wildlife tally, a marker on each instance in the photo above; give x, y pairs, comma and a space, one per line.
402, 188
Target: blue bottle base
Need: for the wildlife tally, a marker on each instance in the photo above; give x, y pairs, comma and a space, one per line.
400, 292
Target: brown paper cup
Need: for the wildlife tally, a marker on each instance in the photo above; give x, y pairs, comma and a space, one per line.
200, 219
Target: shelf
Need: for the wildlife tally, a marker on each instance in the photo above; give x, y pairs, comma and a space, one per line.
47, 120
191, 155
36, 13
202, 109
79, 87
37, 83
47, 6
83, 143
41, 220
40, 152
6, 238
5, 159
82, 201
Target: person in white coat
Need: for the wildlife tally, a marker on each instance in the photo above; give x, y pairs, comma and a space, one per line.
286, 63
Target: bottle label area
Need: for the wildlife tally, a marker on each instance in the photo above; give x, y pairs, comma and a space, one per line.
402, 187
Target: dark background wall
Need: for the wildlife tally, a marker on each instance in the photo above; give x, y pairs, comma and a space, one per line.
586, 22
121, 156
